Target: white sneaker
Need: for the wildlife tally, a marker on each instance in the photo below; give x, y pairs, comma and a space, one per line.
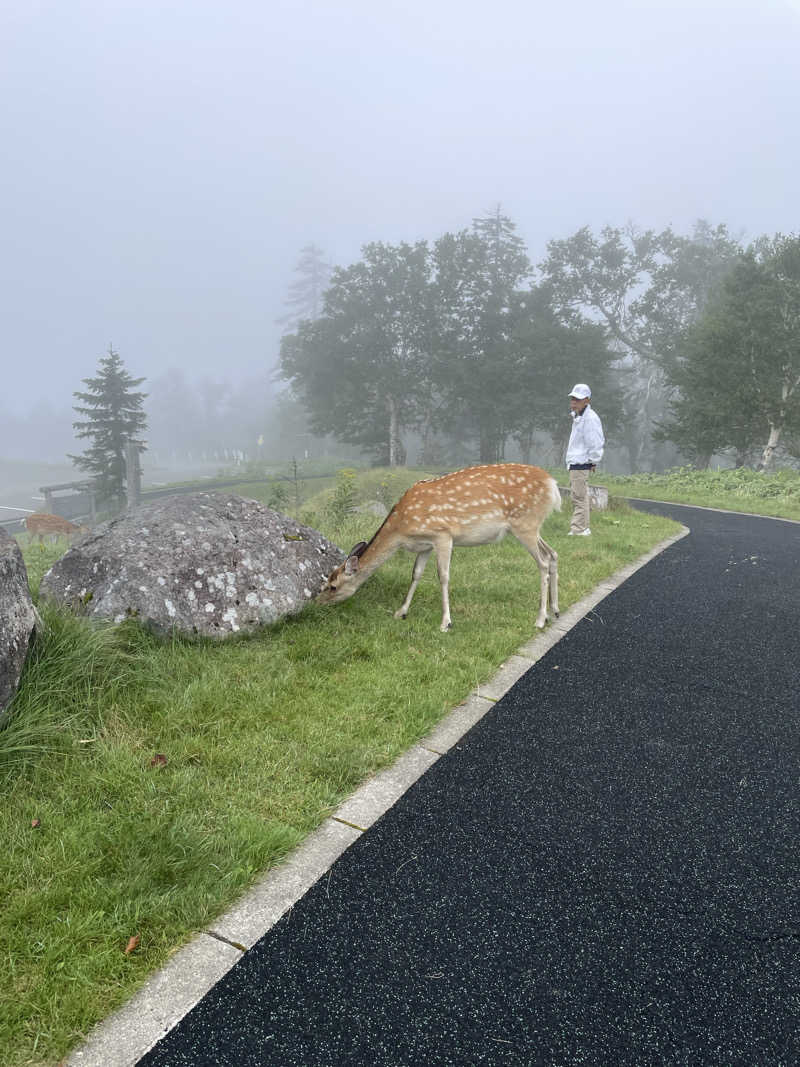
584, 533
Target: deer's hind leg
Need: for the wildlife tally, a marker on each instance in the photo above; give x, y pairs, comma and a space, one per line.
552, 566
444, 550
416, 574
547, 562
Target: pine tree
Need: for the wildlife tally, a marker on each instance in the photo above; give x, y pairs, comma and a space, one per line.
305, 299
114, 416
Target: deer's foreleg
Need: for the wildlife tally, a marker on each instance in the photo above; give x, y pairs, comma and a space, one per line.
416, 574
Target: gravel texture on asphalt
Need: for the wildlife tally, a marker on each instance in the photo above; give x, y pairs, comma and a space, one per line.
605, 870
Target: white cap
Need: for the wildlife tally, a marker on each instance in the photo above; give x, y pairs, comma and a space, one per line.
581, 392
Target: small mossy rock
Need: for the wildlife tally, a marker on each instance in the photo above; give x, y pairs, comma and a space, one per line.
212, 564
18, 618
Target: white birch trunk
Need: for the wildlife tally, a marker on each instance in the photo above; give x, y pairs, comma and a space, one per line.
769, 449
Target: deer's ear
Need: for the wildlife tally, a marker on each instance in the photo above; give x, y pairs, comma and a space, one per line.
351, 565
358, 550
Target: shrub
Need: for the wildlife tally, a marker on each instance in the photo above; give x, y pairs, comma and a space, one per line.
344, 497
278, 498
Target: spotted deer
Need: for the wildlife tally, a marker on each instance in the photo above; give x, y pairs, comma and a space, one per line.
475, 506
42, 525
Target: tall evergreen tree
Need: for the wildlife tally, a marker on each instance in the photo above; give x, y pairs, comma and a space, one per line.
114, 416
306, 292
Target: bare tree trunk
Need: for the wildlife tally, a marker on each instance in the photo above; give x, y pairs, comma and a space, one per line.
392, 431
426, 434
769, 449
492, 445
525, 442
486, 447
396, 450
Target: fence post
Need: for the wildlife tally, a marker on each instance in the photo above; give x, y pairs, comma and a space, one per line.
133, 474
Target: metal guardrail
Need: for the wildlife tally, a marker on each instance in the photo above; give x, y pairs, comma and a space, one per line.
12, 525
227, 483
18, 525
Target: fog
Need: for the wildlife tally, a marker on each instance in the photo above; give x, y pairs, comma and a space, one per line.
165, 164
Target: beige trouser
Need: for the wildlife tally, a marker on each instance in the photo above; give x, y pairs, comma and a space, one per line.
579, 491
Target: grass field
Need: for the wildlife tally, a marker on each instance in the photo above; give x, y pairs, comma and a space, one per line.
741, 489
145, 783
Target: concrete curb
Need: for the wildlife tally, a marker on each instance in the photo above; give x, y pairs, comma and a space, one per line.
124, 1037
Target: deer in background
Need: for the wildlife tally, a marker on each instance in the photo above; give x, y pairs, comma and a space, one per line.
42, 525
475, 506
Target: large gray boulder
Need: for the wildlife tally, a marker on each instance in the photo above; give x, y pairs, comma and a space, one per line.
213, 564
17, 618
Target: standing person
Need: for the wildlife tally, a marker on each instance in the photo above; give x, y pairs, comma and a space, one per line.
584, 452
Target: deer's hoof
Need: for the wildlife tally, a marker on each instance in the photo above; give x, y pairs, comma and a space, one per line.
401, 614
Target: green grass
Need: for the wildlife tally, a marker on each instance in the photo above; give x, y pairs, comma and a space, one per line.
263, 737
381, 484
741, 489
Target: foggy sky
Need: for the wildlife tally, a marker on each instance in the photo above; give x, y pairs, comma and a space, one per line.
163, 164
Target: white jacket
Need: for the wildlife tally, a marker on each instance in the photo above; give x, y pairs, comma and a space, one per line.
586, 442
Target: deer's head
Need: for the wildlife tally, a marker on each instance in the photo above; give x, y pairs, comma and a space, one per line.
343, 580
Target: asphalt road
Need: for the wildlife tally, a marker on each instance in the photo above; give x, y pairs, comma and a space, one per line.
606, 870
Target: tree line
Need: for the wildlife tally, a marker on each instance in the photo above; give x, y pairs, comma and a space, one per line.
690, 342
